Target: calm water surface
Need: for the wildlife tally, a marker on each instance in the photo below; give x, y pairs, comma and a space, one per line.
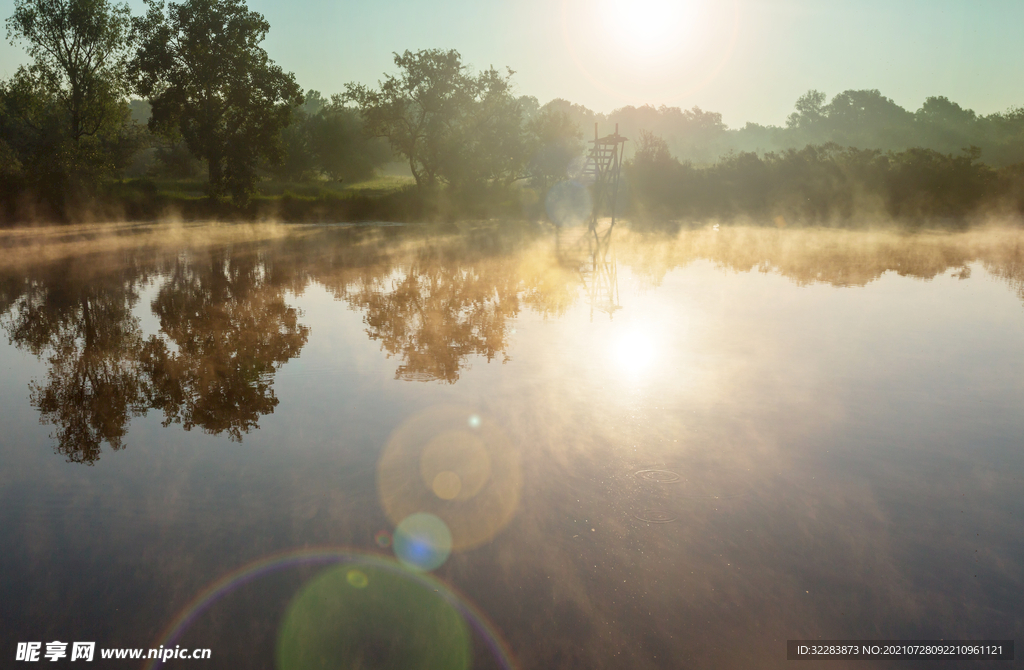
644, 452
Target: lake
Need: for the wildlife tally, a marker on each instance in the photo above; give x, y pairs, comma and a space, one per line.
386, 446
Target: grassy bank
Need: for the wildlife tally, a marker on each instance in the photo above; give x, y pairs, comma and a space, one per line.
388, 198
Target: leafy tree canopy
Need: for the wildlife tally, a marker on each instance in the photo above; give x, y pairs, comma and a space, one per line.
64, 115
201, 66
454, 126
80, 53
325, 139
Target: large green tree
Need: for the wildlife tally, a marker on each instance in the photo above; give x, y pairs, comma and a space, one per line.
65, 117
462, 128
419, 109
201, 66
80, 53
325, 139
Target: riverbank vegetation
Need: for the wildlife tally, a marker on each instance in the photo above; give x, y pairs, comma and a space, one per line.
181, 113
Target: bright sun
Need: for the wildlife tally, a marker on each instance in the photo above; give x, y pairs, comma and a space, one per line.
634, 351
647, 28
650, 51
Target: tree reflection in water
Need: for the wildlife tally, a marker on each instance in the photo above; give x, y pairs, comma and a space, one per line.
434, 315
92, 343
432, 302
225, 330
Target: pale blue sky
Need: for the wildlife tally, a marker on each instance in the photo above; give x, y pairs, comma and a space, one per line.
749, 61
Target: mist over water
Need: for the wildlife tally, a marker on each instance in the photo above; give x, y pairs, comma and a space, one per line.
606, 451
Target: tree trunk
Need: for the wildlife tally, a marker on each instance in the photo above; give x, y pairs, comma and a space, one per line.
76, 109
415, 172
216, 174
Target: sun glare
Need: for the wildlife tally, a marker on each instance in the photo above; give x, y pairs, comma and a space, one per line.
650, 51
634, 352
647, 28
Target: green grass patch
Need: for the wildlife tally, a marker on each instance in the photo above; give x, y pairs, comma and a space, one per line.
321, 190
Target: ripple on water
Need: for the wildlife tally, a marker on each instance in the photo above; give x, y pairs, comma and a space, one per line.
659, 476
415, 376
714, 496
655, 516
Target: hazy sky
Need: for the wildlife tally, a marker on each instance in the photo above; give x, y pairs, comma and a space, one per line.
748, 59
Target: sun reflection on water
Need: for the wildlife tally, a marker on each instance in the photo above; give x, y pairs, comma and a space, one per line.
634, 352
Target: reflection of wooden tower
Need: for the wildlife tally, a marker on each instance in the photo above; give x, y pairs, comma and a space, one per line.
588, 254
604, 164
602, 280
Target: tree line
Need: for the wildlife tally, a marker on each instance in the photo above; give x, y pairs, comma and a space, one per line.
186, 91
823, 184
865, 119
212, 96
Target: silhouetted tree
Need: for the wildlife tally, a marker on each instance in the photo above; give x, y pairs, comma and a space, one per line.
202, 69
79, 51
817, 184
450, 125
65, 119
489, 142
418, 109
868, 120
325, 139
810, 112
944, 126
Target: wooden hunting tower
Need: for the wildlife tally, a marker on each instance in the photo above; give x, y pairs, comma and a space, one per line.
604, 164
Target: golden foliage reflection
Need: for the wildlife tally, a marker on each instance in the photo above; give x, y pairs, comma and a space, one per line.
225, 328
433, 302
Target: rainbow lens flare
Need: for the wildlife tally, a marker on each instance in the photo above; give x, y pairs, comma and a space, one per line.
383, 621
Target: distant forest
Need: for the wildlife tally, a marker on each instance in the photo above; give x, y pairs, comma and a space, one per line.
181, 111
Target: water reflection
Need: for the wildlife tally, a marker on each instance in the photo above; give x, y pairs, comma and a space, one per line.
799, 462
93, 346
225, 330
833, 257
434, 303
589, 255
464, 473
434, 313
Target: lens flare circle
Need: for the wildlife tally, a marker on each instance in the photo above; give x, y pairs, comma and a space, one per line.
436, 463
422, 542
357, 578
255, 570
387, 621
446, 485
455, 464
